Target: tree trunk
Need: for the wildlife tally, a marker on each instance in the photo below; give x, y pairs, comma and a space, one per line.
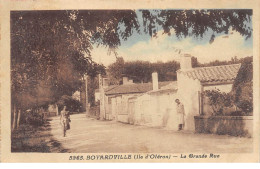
18, 118
91, 92
14, 118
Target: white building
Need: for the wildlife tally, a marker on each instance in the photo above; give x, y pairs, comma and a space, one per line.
153, 104
114, 99
193, 81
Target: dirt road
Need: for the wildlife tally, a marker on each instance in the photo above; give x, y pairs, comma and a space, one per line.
88, 135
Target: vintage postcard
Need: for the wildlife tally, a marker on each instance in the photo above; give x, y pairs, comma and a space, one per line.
129, 81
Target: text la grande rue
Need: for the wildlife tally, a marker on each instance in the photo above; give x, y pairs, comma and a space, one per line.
211, 155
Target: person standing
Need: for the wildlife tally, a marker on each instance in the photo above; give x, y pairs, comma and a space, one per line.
180, 114
65, 120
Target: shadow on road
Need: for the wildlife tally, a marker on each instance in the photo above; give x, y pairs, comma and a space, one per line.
30, 138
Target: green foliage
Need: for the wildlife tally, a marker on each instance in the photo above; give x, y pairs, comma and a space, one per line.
51, 50
197, 22
234, 60
243, 86
33, 118
219, 100
71, 104
93, 83
242, 91
115, 71
141, 71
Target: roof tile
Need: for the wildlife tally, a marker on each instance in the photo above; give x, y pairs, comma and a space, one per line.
134, 88
222, 73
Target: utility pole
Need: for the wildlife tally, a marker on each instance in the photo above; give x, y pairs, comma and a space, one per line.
102, 98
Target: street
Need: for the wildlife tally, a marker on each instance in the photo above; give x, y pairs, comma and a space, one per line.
88, 135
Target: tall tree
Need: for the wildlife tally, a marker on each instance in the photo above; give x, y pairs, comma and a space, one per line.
115, 71
52, 49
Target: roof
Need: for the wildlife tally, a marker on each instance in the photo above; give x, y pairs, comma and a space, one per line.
172, 85
133, 88
224, 73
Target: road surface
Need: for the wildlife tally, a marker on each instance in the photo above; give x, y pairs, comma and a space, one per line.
88, 135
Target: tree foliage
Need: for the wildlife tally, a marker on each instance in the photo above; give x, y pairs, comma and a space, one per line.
72, 105
233, 60
197, 22
243, 86
219, 100
115, 71
51, 50
141, 71
241, 95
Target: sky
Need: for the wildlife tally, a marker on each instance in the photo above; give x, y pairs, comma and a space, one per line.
167, 48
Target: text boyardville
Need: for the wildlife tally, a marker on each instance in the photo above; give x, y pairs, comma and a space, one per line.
140, 156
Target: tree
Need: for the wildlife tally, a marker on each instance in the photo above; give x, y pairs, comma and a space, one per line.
52, 49
141, 71
243, 86
197, 22
234, 60
93, 81
72, 105
218, 100
115, 71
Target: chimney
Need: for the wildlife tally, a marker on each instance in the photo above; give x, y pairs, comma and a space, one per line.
125, 80
105, 82
186, 62
155, 81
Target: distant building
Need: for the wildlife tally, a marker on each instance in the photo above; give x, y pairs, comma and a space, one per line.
115, 98
153, 104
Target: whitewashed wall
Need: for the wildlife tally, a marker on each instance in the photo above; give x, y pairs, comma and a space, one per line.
119, 109
188, 93
155, 109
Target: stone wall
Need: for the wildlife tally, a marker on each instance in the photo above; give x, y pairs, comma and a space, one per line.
230, 125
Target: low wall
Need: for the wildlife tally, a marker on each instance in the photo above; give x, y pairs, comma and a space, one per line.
231, 125
123, 118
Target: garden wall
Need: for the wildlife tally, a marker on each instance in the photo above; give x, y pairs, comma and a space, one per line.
230, 125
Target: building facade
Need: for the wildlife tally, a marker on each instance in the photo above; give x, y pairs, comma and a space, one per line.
153, 104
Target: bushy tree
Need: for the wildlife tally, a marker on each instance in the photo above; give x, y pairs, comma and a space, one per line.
218, 100
233, 60
141, 71
115, 71
71, 104
52, 49
243, 86
241, 95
